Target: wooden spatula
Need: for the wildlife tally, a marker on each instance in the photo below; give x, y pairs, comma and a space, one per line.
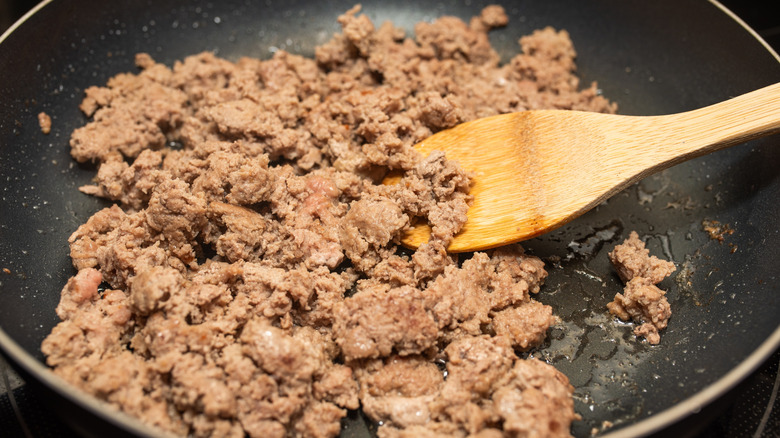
537, 170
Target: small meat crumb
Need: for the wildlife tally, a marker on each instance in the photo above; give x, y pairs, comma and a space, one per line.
641, 301
717, 230
44, 120
632, 259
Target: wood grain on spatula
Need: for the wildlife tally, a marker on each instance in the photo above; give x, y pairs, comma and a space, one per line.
537, 170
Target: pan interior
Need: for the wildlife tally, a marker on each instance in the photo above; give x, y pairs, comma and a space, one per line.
650, 57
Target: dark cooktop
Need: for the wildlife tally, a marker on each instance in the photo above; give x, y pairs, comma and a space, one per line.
753, 411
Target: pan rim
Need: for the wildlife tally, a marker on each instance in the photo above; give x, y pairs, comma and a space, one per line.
697, 402
655, 423
22, 19
747, 27
21, 358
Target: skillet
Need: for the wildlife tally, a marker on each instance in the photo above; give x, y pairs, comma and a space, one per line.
650, 57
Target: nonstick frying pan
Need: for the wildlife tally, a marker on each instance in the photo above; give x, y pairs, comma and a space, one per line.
650, 57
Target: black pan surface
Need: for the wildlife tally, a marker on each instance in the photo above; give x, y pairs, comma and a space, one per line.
650, 57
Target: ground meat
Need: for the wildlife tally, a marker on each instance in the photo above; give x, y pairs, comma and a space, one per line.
525, 325
631, 259
368, 227
716, 230
376, 321
399, 389
644, 303
462, 301
641, 301
44, 121
536, 401
489, 391
248, 281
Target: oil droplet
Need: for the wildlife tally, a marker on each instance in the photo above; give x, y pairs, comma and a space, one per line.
591, 244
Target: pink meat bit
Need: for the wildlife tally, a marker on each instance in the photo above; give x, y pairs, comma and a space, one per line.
322, 193
84, 285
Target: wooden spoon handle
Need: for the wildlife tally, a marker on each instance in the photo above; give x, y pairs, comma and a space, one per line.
576, 160
737, 120
679, 137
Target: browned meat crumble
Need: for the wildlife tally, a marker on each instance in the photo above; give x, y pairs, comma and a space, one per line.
716, 230
641, 301
44, 121
249, 281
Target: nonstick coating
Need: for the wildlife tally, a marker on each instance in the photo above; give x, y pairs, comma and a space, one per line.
651, 57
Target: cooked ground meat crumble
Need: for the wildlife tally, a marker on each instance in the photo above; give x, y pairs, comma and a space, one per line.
44, 121
641, 301
249, 279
